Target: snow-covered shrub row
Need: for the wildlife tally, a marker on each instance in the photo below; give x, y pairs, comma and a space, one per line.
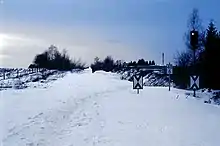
216, 97
27, 76
15, 72
208, 95
18, 84
151, 78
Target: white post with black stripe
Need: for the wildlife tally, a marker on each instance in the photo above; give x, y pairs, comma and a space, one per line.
169, 72
194, 83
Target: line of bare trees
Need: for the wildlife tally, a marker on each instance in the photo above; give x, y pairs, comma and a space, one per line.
207, 63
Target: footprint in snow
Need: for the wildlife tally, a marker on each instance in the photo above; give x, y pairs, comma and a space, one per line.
30, 144
120, 122
37, 115
163, 129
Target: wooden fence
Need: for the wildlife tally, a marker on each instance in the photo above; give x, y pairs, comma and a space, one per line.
18, 72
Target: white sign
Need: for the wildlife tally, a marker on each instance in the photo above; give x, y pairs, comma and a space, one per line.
194, 82
169, 69
137, 82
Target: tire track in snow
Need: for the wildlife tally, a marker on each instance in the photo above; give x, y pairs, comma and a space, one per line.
44, 124
62, 123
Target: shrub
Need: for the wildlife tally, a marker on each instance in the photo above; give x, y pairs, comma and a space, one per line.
52, 59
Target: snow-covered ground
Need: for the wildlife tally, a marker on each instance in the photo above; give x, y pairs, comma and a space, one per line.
99, 109
24, 78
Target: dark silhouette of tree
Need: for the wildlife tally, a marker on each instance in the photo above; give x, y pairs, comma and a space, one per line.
195, 23
119, 65
134, 63
97, 65
141, 62
210, 57
153, 62
33, 66
53, 59
183, 58
42, 60
130, 63
108, 63
146, 63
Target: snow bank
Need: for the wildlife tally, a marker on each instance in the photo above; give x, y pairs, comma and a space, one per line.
151, 78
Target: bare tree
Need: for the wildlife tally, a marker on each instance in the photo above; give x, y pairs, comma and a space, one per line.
183, 59
195, 23
96, 59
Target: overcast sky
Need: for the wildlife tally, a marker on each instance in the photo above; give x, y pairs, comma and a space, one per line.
124, 29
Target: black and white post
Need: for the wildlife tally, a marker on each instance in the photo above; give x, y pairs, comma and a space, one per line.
169, 82
194, 84
194, 45
137, 82
169, 72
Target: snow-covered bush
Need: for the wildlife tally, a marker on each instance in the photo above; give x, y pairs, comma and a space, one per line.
216, 97
18, 84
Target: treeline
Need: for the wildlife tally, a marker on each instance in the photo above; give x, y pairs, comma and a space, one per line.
108, 64
141, 62
207, 61
53, 59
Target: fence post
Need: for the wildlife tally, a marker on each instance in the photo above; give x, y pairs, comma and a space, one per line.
4, 75
17, 73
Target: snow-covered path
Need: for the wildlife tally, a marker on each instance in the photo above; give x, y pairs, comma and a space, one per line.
102, 110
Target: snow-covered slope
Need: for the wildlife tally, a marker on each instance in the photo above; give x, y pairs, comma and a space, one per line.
151, 78
99, 109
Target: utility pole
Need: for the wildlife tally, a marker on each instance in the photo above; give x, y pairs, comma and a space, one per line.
169, 82
169, 71
194, 45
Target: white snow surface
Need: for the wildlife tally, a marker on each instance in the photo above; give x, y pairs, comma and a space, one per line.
99, 109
